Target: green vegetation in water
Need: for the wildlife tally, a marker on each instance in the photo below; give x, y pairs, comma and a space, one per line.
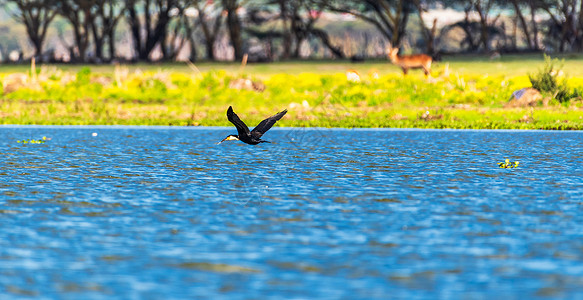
33, 141
449, 99
508, 165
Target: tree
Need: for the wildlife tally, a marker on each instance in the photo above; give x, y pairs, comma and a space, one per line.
80, 16
209, 18
530, 31
566, 23
428, 33
389, 16
91, 20
478, 33
518, 6
234, 26
483, 8
287, 22
295, 22
36, 16
149, 30
107, 15
177, 33
304, 15
10, 41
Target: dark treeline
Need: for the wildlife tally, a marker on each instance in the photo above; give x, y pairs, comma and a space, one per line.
278, 29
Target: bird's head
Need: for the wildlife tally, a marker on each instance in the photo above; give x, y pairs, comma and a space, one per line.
230, 137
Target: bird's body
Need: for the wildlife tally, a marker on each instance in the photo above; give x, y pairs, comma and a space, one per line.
252, 137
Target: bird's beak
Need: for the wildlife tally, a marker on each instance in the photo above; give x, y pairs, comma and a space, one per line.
229, 138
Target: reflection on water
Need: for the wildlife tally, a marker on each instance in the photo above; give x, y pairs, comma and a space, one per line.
165, 213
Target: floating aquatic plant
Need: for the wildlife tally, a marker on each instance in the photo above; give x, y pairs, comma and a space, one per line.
33, 141
507, 164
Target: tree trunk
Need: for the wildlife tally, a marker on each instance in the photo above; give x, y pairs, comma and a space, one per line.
35, 37
134, 24
80, 47
193, 49
38, 46
523, 24
111, 40
467, 30
388, 17
174, 41
234, 27
400, 23
191, 42
580, 29
298, 45
326, 40
428, 34
484, 34
297, 32
210, 34
514, 34
577, 27
287, 37
98, 42
210, 49
36, 16
534, 28
154, 30
163, 48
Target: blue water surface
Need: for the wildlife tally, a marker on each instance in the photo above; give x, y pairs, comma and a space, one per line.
165, 213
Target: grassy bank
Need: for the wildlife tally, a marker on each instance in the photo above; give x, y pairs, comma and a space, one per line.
465, 94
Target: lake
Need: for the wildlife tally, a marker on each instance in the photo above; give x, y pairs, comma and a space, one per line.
165, 213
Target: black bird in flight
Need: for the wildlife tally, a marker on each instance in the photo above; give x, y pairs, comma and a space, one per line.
252, 137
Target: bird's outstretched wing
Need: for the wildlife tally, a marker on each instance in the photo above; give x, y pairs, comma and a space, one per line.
242, 129
266, 124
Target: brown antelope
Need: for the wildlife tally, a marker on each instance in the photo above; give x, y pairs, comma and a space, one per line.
352, 75
406, 62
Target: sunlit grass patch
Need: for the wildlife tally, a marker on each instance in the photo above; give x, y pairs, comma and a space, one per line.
161, 97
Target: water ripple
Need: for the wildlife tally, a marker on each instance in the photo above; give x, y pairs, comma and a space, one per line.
159, 212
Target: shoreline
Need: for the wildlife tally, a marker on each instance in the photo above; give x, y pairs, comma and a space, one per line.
221, 128
449, 99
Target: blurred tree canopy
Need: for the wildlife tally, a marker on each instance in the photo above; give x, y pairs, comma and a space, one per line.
267, 30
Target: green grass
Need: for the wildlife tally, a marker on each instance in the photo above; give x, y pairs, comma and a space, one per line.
471, 95
507, 65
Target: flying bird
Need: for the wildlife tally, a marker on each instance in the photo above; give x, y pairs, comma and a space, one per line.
252, 137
